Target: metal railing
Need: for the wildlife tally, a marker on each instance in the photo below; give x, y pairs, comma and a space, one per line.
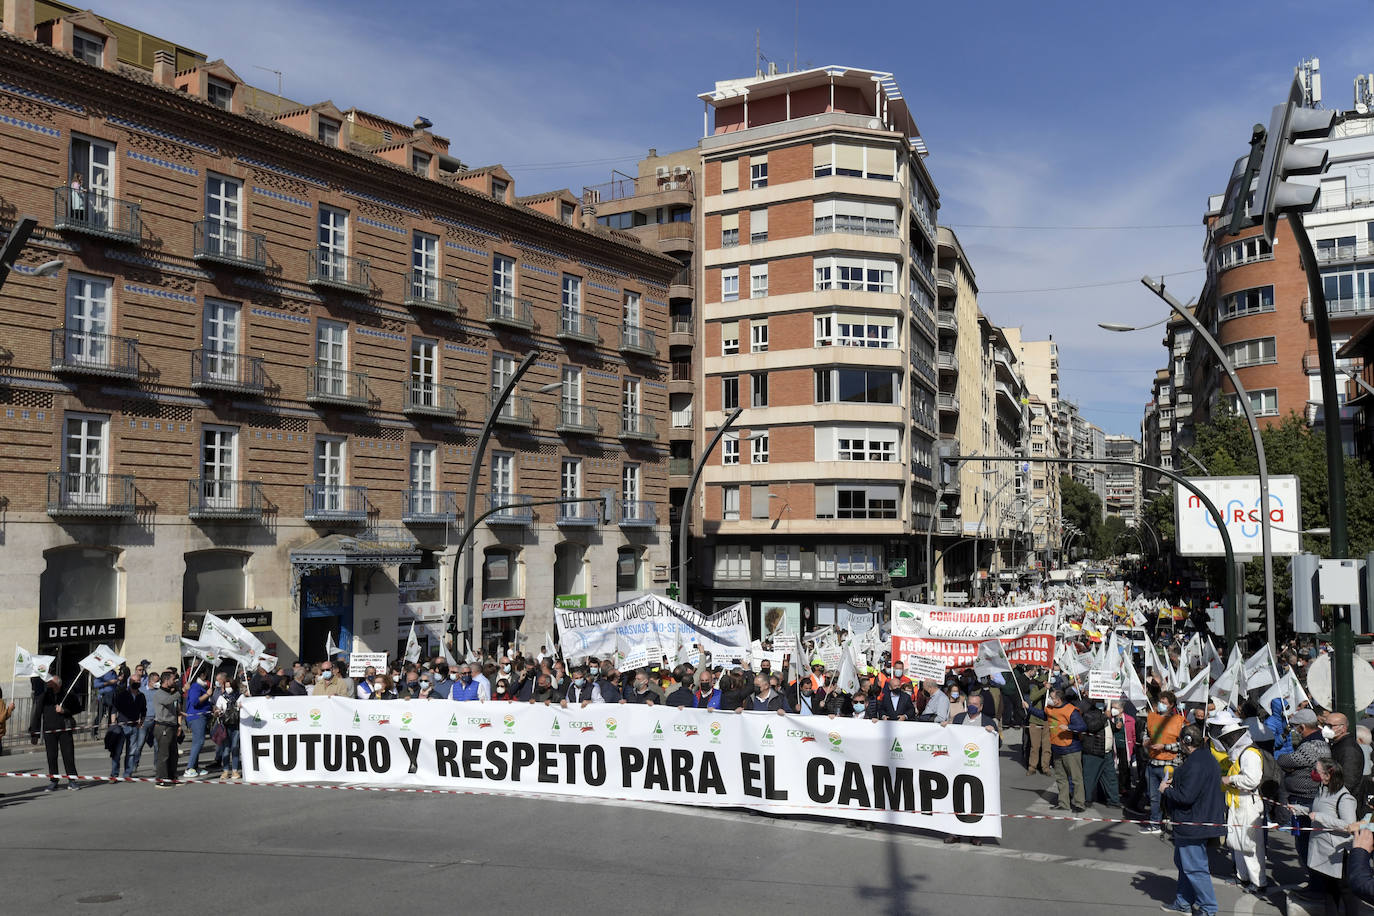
509, 311
95, 354
227, 371
637, 339
335, 502
574, 324
429, 507
1311, 362
215, 497
855, 225
637, 512
1337, 308
427, 291
947, 402
579, 514
682, 278
946, 360
924, 320
681, 371
515, 412
944, 279
326, 384
514, 509
950, 526
226, 244
578, 418
679, 467
339, 271
431, 398
621, 188
90, 495
95, 213
946, 320
683, 326
637, 426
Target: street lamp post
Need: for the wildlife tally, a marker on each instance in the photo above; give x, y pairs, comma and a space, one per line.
683, 588
953, 463
982, 520
1266, 545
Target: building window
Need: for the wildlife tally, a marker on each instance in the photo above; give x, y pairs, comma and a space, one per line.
732, 561
833, 559
502, 279
844, 330
220, 339
498, 188
92, 171
1264, 402
854, 161
424, 264
758, 226
419, 162
758, 335
729, 392
863, 445
630, 401
327, 131
866, 275
85, 458
758, 389
572, 295
219, 93
758, 281
866, 502
333, 238
424, 372
781, 561
570, 484
1258, 249
630, 490
502, 369
729, 449
729, 230
331, 358
758, 172
758, 448
1248, 302
330, 472
86, 337
502, 474
88, 47
758, 502
857, 386
855, 217
223, 213
729, 338
1257, 352
730, 503
729, 284
566, 212
501, 573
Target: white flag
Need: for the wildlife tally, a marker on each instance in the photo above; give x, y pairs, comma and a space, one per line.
264, 661
330, 649
1131, 686
28, 665
102, 661
1196, 691
206, 653
991, 658
1212, 659
1259, 670
241, 645
848, 681
412, 645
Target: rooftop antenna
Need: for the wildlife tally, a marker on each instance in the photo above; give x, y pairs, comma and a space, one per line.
796, 28
278, 72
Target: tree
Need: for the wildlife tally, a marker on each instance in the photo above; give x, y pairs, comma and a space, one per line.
1081, 507
1110, 538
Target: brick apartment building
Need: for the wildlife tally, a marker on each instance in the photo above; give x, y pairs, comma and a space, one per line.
255, 383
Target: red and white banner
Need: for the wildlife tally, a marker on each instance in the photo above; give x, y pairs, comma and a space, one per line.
953, 633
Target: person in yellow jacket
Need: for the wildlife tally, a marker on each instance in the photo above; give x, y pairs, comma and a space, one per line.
1242, 768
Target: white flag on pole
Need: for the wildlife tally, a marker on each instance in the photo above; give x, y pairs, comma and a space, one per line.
1131, 686
240, 645
102, 661
991, 658
1259, 670
27, 664
330, 649
206, 653
848, 681
1196, 690
412, 645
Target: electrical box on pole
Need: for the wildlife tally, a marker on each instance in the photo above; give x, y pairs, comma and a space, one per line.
1306, 602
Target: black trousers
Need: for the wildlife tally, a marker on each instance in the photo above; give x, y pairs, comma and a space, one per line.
60, 740
165, 760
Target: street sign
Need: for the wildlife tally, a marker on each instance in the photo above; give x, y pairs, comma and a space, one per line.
1238, 500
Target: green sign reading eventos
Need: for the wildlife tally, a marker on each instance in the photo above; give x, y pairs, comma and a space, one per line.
568, 602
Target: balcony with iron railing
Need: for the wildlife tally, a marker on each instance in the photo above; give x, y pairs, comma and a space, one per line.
679, 467
217, 498
682, 331
947, 320
429, 507
507, 311
1004, 362
435, 294
88, 353
635, 513
514, 509
672, 183
579, 327
578, 420
223, 243
945, 281
946, 361
430, 399
950, 526
1349, 307
515, 412
1311, 363
922, 268
681, 286
578, 514
925, 320
94, 213
637, 426
332, 270
215, 370
77, 495
328, 502
330, 385
947, 403
637, 340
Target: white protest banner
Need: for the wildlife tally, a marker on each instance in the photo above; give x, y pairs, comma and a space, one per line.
102, 661
652, 626
359, 662
1104, 685
925, 668
26, 664
953, 634
840, 768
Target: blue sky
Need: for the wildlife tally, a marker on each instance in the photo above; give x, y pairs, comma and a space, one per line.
1036, 115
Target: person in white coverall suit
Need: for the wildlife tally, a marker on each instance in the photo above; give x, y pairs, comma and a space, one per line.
1242, 770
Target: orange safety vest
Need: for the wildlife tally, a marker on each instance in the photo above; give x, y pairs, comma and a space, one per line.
1159, 730
1061, 735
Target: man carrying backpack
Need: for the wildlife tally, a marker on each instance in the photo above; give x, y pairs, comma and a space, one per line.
1242, 778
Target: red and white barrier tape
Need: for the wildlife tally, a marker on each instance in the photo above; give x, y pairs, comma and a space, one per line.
425, 790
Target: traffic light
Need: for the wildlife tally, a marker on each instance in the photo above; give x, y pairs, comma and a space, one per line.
1306, 600
607, 507
1274, 194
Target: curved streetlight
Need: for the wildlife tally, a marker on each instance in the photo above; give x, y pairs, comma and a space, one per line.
1243, 396
724, 427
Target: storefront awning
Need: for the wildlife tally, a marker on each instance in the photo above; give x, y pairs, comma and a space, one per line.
346, 550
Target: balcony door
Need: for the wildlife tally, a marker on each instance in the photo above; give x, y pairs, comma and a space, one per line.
83, 459
331, 358
219, 467
424, 373
422, 496
88, 321
92, 171
333, 243
329, 474
223, 202
221, 340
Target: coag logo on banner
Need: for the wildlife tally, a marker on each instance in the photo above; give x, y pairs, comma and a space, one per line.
686, 731
767, 739
971, 754
804, 736
315, 718
509, 721
582, 726
286, 717
379, 718
934, 750
657, 733
406, 719
610, 728
714, 728
479, 721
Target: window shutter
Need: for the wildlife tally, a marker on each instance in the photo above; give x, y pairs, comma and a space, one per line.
758, 501
729, 175
758, 221
849, 157
729, 330
761, 159
881, 211
729, 221
825, 500
882, 162
821, 155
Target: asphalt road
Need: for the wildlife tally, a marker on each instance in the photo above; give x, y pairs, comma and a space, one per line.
113, 849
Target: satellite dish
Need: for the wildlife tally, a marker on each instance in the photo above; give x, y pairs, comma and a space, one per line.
1319, 682
874, 124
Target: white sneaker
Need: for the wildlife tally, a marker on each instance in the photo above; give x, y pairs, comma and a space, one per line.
191, 774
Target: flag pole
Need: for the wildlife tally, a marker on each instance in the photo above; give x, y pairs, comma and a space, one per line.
72, 687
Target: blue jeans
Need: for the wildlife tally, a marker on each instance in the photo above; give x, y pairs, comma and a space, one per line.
1154, 776
126, 734
198, 728
233, 759
1194, 876
139, 742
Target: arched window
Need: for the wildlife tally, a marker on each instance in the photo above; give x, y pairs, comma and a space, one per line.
78, 583
214, 581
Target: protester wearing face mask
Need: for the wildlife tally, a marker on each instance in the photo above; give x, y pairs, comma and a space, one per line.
1345, 749
1099, 755
582, 692
1242, 772
465, 689
1066, 723
197, 717
227, 715
937, 703
1160, 738
501, 692
331, 684
1193, 791
1301, 787
958, 700
764, 698
1332, 812
383, 688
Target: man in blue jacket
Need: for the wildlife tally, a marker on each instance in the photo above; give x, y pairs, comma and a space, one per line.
1357, 871
1195, 797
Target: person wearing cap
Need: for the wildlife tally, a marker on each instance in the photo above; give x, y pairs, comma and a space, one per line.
1242, 773
1308, 747
1193, 791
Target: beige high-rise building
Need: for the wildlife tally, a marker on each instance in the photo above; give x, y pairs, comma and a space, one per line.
1040, 368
